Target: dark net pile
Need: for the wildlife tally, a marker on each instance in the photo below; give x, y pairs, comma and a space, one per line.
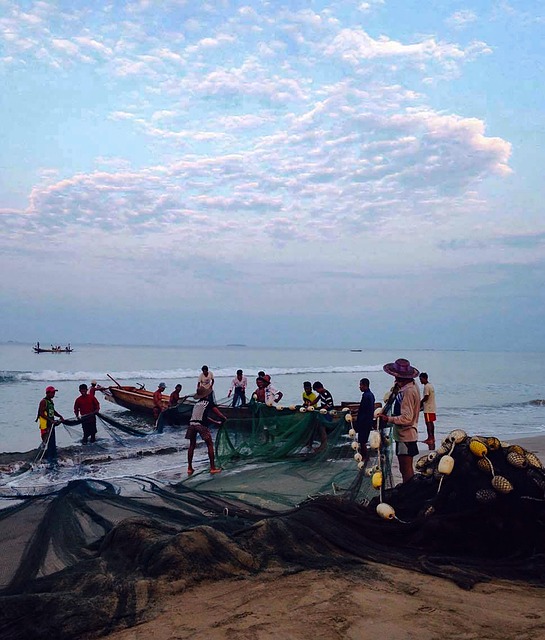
97, 556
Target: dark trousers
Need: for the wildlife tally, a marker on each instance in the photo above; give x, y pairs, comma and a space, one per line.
89, 426
239, 397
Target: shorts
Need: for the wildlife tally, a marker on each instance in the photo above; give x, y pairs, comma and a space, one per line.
195, 428
430, 417
406, 449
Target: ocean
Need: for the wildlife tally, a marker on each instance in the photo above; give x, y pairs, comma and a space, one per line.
499, 394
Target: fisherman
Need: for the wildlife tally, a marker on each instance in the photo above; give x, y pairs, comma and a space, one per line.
259, 393
404, 414
174, 397
326, 402
158, 400
238, 385
324, 397
308, 395
272, 395
94, 388
206, 380
198, 424
86, 407
366, 415
46, 420
428, 406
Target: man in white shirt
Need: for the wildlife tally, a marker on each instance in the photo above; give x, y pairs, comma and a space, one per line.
238, 385
427, 405
206, 381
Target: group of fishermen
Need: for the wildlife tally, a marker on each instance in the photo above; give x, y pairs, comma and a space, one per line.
402, 406
86, 407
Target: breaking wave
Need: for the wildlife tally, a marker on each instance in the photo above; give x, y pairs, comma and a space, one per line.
170, 374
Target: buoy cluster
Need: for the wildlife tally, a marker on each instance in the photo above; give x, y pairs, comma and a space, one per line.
469, 471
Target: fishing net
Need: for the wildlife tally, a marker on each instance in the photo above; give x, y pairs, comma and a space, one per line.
94, 556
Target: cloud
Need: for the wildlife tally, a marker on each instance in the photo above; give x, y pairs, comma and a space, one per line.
461, 19
231, 142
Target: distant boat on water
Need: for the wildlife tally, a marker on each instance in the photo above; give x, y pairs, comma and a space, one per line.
358, 350
37, 349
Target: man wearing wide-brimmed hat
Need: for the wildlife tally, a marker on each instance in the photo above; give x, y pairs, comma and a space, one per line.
404, 414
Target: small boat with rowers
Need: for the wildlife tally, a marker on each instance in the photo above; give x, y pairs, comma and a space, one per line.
37, 349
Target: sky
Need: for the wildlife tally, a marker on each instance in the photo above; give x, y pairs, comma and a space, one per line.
328, 174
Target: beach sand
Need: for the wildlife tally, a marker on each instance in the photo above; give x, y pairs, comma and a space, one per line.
368, 601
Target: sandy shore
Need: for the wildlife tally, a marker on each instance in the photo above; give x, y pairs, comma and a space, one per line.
368, 601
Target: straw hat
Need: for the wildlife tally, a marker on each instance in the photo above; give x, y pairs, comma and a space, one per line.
401, 368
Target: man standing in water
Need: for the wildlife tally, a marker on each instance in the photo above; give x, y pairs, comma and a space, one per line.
427, 405
86, 406
238, 385
198, 424
404, 415
158, 400
46, 420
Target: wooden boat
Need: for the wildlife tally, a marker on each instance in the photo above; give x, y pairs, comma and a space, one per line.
54, 350
132, 398
140, 400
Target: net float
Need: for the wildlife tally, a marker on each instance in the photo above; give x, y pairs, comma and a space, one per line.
279, 407
446, 465
485, 495
376, 480
323, 410
457, 436
374, 439
358, 457
533, 460
361, 465
355, 445
352, 432
303, 409
310, 408
502, 484
485, 465
518, 460
477, 448
422, 462
292, 407
348, 417
493, 444
385, 511
516, 448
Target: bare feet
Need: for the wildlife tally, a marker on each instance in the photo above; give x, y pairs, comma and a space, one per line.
215, 470
430, 442
190, 471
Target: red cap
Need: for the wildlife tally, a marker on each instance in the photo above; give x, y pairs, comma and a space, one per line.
49, 389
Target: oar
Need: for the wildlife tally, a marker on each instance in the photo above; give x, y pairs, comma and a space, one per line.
117, 383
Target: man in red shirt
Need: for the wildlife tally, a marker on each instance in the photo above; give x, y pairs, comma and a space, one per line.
158, 404
86, 407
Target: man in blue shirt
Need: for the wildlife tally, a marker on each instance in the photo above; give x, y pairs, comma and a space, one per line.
366, 415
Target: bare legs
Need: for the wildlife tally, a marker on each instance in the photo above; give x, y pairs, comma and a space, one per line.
191, 451
406, 467
430, 440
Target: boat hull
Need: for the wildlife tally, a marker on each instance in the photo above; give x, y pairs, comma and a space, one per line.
133, 398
